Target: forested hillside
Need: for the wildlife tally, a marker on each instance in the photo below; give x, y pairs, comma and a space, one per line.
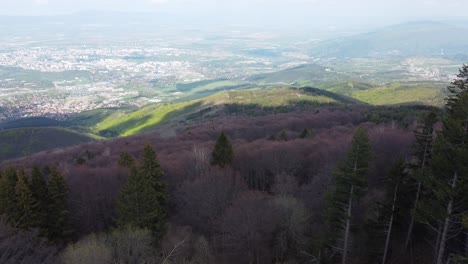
19, 142
340, 183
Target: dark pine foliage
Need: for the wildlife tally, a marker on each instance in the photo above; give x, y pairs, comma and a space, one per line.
38, 186
142, 200
222, 153
59, 227
26, 204
446, 205
350, 184
8, 195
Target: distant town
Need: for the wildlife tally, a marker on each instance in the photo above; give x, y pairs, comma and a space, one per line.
63, 78
60, 80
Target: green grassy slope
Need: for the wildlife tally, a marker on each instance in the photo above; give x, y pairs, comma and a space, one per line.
426, 93
91, 118
277, 97
400, 95
130, 123
387, 91
20, 142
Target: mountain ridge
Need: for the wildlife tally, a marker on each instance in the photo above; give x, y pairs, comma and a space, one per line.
406, 39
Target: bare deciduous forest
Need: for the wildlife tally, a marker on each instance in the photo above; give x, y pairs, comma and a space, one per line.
328, 185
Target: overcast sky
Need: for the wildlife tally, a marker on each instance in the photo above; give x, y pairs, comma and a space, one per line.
362, 10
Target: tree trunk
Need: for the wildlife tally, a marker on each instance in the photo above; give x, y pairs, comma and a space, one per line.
348, 223
416, 199
390, 225
411, 225
439, 234
443, 238
466, 242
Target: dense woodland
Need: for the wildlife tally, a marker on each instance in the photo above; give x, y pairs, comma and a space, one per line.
333, 185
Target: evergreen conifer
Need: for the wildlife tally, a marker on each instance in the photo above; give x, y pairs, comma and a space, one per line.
223, 153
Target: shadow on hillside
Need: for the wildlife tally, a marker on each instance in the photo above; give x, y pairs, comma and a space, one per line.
145, 121
338, 97
18, 142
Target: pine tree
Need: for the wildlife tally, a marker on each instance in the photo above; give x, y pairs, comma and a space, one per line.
142, 199
151, 169
126, 160
350, 185
8, 195
305, 133
223, 153
448, 183
283, 135
26, 204
59, 216
424, 135
41, 194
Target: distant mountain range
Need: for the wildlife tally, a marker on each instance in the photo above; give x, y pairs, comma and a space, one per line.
408, 39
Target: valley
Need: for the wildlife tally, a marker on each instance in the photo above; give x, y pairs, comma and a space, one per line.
223, 137
60, 76
122, 91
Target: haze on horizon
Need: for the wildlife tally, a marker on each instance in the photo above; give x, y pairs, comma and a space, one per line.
272, 12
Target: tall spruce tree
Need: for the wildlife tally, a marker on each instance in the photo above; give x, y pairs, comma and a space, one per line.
8, 195
59, 227
2, 193
40, 192
142, 199
424, 135
350, 184
222, 153
26, 204
283, 135
151, 169
126, 160
305, 133
448, 183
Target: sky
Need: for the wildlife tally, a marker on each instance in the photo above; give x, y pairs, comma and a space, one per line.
365, 11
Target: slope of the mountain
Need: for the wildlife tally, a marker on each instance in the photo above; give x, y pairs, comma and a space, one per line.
420, 93
32, 122
303, 146
20, 142
31, 135
387, 92
409, 39
248, 102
